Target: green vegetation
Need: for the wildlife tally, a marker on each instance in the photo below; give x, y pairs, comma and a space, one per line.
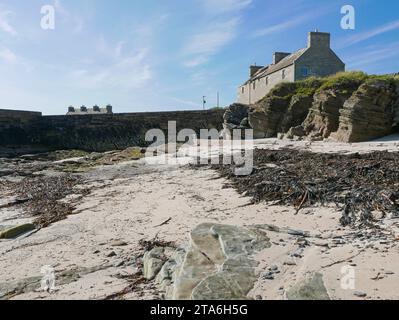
308, 87
347, 80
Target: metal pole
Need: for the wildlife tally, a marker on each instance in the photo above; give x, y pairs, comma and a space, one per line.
203, 102
218, 103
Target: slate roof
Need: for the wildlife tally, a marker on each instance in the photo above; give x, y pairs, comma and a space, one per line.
283, 63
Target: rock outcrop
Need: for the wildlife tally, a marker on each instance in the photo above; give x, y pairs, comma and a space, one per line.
371, 112
323, 117
348, 107
216, 265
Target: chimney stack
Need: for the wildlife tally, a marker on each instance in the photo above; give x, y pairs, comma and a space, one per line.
319, 40
278, 56
254, 69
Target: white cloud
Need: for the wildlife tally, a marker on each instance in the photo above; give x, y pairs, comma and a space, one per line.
5, 24
8, 56
127, 73
205, 44
221, 6
374, 55
370, 34
281, 26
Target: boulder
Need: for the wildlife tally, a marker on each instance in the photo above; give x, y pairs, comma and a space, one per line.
298, 131
235, 114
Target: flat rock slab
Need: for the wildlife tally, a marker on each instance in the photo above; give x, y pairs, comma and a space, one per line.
16, 231
218, 264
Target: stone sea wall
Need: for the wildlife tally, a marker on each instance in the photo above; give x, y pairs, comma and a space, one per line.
96, 132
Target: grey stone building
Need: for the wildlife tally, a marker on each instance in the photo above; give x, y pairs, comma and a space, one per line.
317, 59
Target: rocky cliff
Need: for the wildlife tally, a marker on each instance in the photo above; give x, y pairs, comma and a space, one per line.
347, 107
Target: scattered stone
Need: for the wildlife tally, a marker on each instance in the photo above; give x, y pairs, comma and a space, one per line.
312, 288
118, 243
360, 294
111, 254
268, 276
290, 263
119, 264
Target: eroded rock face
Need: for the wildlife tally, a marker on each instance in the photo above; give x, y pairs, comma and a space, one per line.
297, 112
267, 115
370, 113
349, 109
323, 117
216, 265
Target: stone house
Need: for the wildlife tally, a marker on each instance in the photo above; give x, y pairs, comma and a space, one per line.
317, 59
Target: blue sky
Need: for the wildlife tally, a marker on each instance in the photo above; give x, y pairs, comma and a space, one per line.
166, 54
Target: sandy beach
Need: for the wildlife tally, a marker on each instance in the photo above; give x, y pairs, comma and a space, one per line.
96, 250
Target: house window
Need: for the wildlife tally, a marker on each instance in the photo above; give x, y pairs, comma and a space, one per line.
254, 85
305, 71
267, 81
283, 74
242, 90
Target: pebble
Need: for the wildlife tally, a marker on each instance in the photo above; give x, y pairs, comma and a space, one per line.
360, 294
119, 264
290, 263
111, 254
118, 243
273, 268
258, 297
268, 276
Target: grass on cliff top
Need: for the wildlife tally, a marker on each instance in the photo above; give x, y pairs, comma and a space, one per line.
345, 81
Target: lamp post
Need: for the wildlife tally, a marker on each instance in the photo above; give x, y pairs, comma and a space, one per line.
203, 102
